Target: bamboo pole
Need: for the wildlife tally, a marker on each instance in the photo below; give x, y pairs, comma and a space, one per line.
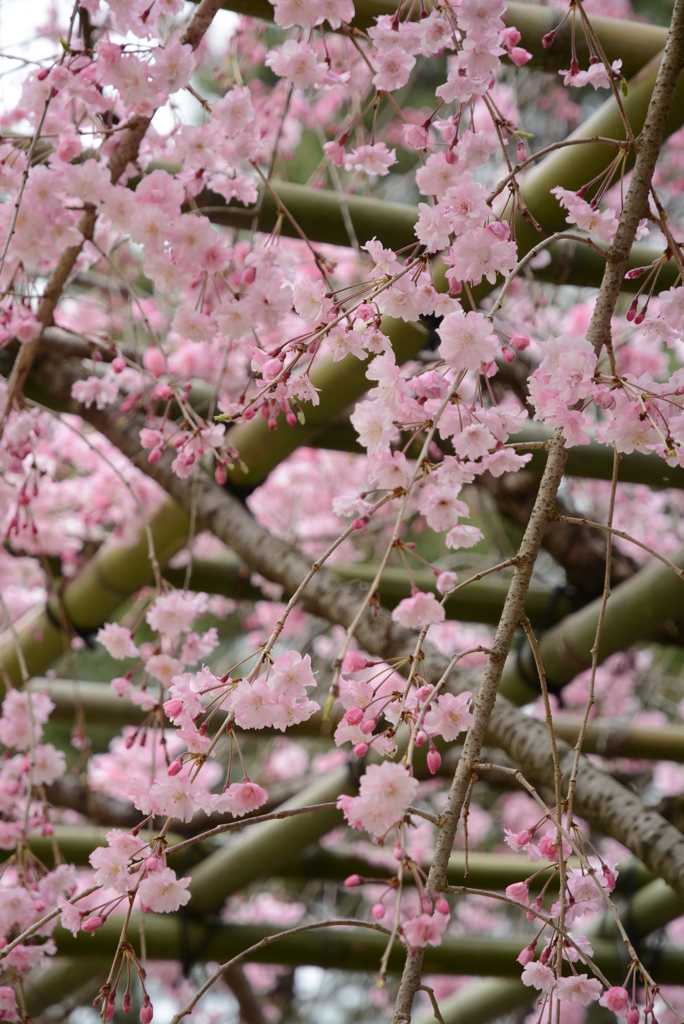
178, 937
632, 42
592, 460
319, 214
636, 608
92, 596
485, 870
269, 847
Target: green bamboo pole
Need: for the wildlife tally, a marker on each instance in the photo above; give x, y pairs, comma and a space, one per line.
636, 608
481, 601
66, 980
481, 1002
632, 42
651, 908
340, 385
91, 597
269, 847
592, 460
607, 737
485, 870
174, 937
319, 214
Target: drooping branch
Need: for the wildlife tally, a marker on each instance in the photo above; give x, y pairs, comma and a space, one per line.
126, 152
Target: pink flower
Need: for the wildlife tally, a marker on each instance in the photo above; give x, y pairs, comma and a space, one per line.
519, 891
95, 389
580, 212
578, 988
419, 610
446, 581
616, 999
538, 975
298, 62
425, 929
8, 1004
375, 159
467, 340
451, 716
480, 253
432, 229
253, 704
374, 424
162, 892
117, 641
245, 797
310, 301
175, 613
394, 67
385, 793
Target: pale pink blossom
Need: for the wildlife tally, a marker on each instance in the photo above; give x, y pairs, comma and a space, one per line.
616, 999
117, 641
425, 929
393, 68
451, 716
538, 975
467, 340
372, 159
419, 610
162, 892
578, 988
374, 424
385, 794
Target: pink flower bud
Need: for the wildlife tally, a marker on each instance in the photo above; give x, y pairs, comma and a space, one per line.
173, 707
118, 364
421, 738
426, 904
127, 1002
352, 881
521, 152
520, 342
605, 398
273, 424
154, 456
368, 726
354, 662
174, 767
508, 355
358, 524
360, 749
548, 39
47, 829
291, 419
527, 955
249, 414
633, 1016
530, 915
248, 275
145, 907
398, 852
146, 1011
378, 911
152, 864
616, 999
111, 1006
354, 716
91, 924
220, 474
434, 760
523, 838
441, 906
519, 891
